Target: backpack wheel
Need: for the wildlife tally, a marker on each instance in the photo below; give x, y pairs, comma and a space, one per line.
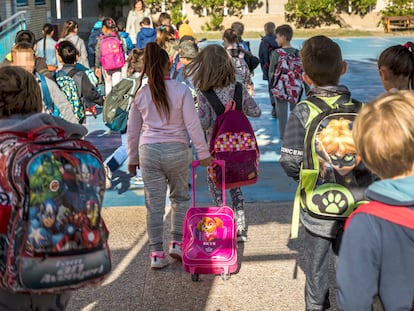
195, 277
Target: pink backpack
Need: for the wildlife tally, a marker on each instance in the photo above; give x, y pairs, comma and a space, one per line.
233, 141
112, 54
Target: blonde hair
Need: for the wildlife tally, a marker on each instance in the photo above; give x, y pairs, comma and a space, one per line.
384, 134
212, 68
19, 92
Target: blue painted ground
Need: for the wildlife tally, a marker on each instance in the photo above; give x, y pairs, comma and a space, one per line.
274, 186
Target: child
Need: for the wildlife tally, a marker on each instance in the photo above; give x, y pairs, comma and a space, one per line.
135, 63
111, 77
284, 34
376, 256
126, 39
24, 56
323, 67
70, 32
20, 111
238, 28
213, 69
267, 45
243, 75
46, 48
146, 34
68, 55
160, 120
396, 67
166, 40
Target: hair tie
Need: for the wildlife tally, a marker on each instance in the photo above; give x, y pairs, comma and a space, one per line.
162, 27
408, 46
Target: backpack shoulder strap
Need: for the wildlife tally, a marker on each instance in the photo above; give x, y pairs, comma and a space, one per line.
214, 101
72, 72
399, 215
238, 96
47, 99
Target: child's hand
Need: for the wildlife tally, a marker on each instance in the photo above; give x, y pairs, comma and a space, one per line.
206, 161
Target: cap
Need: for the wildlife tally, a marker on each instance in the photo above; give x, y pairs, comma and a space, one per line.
188, 49
185, 30
25, 36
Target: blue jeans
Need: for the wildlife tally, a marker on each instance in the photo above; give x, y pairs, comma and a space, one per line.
162, 165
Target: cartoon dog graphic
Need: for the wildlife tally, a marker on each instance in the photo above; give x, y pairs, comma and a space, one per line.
207, 227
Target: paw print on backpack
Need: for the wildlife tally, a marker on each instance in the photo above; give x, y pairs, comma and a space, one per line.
337, 201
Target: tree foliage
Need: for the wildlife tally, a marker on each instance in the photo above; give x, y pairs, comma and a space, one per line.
315, 13
399, 8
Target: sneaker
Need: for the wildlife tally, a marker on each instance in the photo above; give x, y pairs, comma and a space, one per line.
108, 177
241, 235
274, 112
137, 180
88, 112
175, 250
158, 260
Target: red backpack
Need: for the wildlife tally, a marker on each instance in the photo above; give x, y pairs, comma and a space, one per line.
233, 141
112, 54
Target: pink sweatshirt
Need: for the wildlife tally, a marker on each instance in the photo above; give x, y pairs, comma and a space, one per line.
145, 126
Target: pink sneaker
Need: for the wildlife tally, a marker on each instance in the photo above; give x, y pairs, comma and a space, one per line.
158, 260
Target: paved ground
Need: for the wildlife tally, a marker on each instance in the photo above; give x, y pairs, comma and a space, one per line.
270, 274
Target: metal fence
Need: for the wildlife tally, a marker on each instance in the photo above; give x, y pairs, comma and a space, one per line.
8, 30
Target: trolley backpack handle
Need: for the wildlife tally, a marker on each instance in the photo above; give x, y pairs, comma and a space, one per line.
220, 163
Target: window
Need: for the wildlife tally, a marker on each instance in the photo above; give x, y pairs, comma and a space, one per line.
40, 2
21, 2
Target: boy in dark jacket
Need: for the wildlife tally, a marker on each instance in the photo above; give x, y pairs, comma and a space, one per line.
267, 45
146, 34
376, 256
323, 67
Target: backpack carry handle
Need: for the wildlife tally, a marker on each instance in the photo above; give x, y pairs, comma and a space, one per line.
220, 163
33, 134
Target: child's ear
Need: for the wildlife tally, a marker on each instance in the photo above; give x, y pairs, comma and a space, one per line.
344, 67
306, 79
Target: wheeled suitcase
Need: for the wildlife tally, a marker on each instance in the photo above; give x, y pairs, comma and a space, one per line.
209, 236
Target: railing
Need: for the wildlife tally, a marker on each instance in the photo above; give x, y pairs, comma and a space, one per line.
8, 29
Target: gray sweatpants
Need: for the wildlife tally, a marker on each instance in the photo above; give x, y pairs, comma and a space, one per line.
162, 165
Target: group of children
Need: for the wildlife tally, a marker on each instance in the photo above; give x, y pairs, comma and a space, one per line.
373, 253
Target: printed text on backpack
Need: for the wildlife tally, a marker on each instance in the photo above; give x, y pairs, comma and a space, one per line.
68, 86
233, 141
55, 238
112, 54
287, 79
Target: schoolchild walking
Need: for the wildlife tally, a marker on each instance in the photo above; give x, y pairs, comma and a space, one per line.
396, 67
232, 45
161, 121
267, 45
287, 60
213, 69
323, 158
146, 34
86, 92
109, 55
46, 48
69, 32
375, 268
54, 101
20, 111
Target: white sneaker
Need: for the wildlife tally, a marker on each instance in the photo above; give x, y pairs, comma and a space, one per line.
175, 250
158, 260
108, 177
138, 180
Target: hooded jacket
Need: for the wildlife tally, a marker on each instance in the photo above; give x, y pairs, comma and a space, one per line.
145, 35
377, 256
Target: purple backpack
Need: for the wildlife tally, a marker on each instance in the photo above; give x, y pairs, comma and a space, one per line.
233, 141
112, 53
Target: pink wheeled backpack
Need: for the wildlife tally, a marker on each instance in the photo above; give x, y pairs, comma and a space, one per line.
209, 237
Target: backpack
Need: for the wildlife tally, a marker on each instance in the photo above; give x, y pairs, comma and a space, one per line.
251, 61
402, 216
332, 179
287, 79
68, 86
112, 54
52, 235
233, 141
49, 106
117, 103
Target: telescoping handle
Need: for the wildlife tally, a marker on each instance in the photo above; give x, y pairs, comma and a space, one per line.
220, 163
